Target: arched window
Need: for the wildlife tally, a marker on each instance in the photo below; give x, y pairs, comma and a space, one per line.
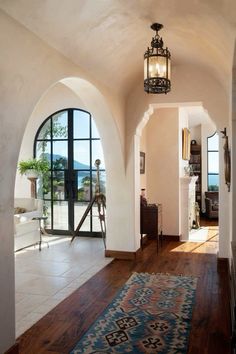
213, 162
70, 141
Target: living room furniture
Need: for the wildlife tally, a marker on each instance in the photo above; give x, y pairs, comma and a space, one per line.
41, 230
27, 231
159, 222
26, 234
151, 222
212, 204
31, 208
195, 163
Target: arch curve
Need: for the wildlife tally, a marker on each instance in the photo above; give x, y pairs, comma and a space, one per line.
86, 96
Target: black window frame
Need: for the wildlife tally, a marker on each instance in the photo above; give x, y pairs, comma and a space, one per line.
211, 173
70, 141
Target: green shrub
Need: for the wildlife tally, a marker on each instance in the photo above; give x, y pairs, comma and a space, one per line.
213, 187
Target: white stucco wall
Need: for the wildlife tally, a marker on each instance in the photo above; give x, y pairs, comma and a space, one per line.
190, 85
183, 123
195, 133
163, 162
23, 82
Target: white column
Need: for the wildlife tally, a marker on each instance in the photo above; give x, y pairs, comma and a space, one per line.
187, 200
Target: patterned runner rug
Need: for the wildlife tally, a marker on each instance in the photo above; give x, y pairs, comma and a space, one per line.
151, 314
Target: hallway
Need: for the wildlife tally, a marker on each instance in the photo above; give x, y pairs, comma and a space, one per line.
60, 329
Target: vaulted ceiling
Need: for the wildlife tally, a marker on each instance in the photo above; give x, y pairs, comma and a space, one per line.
108, 37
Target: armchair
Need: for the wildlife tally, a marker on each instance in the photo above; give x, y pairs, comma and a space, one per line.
212, 204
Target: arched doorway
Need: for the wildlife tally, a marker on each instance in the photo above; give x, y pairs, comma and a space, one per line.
69, 140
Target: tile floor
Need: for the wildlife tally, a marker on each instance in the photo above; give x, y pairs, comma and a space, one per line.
43, 279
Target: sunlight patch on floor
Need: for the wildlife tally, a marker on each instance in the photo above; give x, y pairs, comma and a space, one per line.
204, 240
198, 235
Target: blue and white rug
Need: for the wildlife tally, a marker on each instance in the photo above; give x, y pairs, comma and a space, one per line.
151, 314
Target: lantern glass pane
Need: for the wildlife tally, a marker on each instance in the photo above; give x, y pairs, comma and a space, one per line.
145, 68
169, 69
157, 66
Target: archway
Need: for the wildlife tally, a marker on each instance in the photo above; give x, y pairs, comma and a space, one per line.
51, 102
207, 92
86, 96
165, 164
174, 195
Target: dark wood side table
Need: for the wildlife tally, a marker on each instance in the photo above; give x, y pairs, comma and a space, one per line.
41, 230
160, 223
149, 222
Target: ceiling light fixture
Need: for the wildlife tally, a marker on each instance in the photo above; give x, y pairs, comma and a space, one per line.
157, 65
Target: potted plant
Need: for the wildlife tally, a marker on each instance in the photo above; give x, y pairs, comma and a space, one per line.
32, 168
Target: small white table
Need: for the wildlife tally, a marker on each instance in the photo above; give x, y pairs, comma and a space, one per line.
41, 230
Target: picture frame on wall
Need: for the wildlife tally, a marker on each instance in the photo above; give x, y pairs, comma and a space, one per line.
142, 162
186, 144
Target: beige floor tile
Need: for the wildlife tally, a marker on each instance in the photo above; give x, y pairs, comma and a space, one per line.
44, 279
19, 297
23, 278
42, 267
44, 285
66, 292
28, 304
27, 322
62, 295
47, 306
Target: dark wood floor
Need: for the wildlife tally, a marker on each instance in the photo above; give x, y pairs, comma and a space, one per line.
204, 221
61, 328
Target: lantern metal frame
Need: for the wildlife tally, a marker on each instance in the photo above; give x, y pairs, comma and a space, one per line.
162, 83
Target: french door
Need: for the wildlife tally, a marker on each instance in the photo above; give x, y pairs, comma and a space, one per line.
69, 140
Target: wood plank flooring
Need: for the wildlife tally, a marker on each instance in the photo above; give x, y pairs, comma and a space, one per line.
60, 329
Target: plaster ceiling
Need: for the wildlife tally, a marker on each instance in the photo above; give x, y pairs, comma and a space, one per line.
108, 37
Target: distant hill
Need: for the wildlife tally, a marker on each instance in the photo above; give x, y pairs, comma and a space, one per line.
77, 165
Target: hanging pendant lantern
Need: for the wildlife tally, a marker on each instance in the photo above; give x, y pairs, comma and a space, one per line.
157, 65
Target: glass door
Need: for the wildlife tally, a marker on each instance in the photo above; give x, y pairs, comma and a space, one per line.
69, 140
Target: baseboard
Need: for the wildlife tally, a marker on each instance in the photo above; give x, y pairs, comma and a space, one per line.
13, 350
121, 254
223, 264
164, 237
133, 255
171, 237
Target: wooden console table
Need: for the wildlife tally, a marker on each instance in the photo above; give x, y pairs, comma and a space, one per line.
151, 222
